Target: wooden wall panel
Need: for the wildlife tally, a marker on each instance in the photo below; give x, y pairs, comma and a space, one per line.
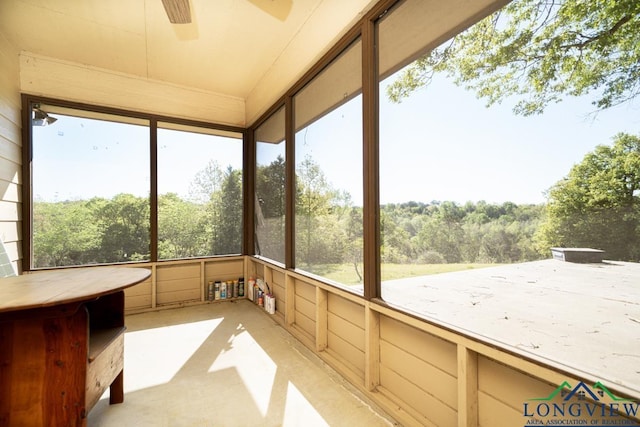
224, 270
306, 291
178, 297
178, 272
306, 324
277, 278
346, 334
437, 383
348, 310
420, 369
279, 292
505, 390
438, 352
255, 269
419, 403
44, 76
305, 309
281, 302
494, 413
278, 287
10, 152
347, 352
178, 283
509, 385
346, 330
139, 296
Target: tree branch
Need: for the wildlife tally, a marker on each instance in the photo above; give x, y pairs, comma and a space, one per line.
611, 31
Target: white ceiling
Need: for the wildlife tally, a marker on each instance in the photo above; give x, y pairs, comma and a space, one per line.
231, 47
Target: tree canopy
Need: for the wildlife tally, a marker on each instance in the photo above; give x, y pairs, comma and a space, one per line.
598, 204
540, 51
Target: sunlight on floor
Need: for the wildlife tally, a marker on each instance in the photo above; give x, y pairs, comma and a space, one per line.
153, 355
257, 371
226, 365
298, 410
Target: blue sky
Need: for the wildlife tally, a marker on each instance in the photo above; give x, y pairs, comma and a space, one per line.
77, 158
462, 150
442, 143
439, 144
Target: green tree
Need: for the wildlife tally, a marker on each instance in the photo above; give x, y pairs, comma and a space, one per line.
206, 182
270, 209
313, 205
180, 225
397, 246
443, 232
270, 187
598, 204
124, 225
64, 233
354, 240
225, 210
540, 51
220, 192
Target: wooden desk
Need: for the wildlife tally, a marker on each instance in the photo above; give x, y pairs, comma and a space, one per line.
62, 343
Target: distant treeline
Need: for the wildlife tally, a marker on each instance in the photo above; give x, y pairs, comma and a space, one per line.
596, 205
102, 230
447, 232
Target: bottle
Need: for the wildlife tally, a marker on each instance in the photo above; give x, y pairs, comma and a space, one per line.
217, 290
223, 290
250, 289
210, 291
241, 287
235, 289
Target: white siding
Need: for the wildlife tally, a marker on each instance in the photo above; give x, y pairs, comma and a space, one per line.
10, 152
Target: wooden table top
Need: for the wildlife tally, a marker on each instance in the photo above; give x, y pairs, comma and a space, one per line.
54, 287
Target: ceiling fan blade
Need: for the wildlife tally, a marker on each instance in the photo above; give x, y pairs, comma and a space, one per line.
178, 11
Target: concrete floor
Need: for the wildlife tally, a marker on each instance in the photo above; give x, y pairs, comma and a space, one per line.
227, 364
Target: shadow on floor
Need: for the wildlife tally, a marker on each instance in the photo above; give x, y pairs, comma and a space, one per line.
227, 364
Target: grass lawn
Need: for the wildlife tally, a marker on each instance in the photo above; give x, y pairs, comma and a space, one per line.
346, 274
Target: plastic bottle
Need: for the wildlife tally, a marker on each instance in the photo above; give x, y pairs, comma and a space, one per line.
223, 290
241, 287
250, 290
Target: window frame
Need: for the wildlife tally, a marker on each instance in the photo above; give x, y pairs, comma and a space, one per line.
337, 84
270, 120
29, 101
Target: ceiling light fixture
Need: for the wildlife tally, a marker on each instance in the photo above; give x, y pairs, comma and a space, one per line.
40, 118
